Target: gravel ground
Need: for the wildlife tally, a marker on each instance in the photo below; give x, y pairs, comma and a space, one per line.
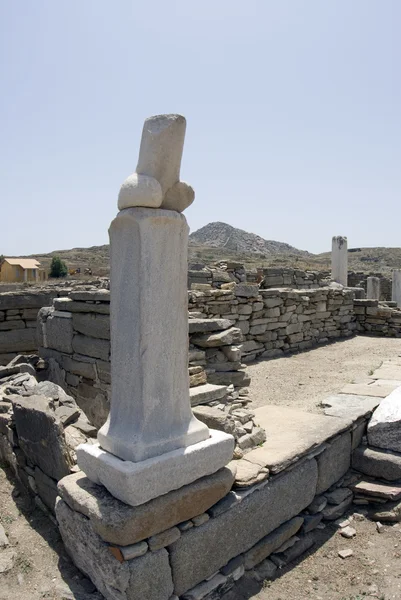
373, 571
304, 380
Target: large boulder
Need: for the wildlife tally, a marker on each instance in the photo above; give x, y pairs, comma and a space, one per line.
384, 428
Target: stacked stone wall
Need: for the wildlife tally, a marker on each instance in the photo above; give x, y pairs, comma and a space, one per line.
279, 321
377, 318
18, 314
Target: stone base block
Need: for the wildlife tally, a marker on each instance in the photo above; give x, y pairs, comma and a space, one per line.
137, 483
148, 576
123, 525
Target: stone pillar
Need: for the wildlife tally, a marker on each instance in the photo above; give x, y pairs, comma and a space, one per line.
152, 443
396, 289
25, 275
339, 260
373, 288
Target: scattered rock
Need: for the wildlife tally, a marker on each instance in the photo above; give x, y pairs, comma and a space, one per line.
379, 527
348, 532
345, 553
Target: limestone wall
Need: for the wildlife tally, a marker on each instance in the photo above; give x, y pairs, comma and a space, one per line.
270, 277
278, 321
377, 318
18, 313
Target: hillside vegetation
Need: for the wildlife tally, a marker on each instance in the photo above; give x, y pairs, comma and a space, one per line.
221, 242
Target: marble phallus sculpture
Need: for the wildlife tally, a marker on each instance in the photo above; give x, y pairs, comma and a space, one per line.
152, 443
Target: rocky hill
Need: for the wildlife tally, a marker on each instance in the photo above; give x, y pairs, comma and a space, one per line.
222, 235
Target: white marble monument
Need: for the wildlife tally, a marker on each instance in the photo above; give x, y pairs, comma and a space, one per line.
396, 289
373, 288
152, 443
339, 260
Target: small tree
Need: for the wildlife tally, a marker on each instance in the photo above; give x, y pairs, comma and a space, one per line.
58, 268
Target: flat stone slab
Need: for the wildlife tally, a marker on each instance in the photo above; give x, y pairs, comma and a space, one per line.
204, 325
377, 490
137, 483
388, 371
291, 434
376, 387
124, 525
208, 392
350, 406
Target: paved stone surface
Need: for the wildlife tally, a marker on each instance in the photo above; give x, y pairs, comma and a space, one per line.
377, 463
121, 524
388, 371
148, 576
291, 434
349, 406
379, 388
201, 551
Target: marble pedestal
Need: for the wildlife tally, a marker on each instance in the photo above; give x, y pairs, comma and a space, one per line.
151, 443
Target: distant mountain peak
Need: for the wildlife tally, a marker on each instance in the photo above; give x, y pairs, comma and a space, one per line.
223, 235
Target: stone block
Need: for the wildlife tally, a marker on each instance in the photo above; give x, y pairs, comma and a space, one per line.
47, 488
246, 290
58, 332
89, 346
12, 325
92, 325
202, 325
77, 367
334, 462
377, 463
272, 542
124, 525
201, 551
148, 576
41, 436
94, 403
18, 340
139, 482
207, 393
228, 337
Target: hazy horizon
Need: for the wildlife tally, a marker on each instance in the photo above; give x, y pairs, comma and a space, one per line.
293, 116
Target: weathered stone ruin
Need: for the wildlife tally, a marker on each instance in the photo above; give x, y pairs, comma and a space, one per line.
132, 427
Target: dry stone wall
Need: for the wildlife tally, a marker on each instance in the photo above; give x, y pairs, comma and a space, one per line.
18, 314
278, 321
74, 337
377, 318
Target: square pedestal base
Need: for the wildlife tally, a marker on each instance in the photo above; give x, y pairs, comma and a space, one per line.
137, 483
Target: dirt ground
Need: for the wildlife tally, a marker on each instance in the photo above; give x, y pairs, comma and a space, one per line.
43, 570
304, 380
373, 571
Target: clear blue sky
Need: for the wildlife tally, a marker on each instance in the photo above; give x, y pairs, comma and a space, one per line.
293, 110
